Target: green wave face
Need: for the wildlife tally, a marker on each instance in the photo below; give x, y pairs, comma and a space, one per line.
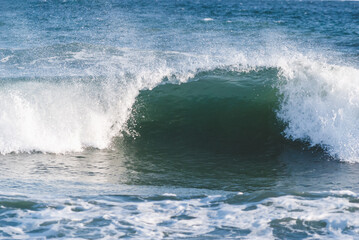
219, 110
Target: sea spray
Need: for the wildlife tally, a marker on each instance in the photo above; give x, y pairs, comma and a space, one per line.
320, 105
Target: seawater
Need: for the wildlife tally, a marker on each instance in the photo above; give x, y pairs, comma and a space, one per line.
179, 120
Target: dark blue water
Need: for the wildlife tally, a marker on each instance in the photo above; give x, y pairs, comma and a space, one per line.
179, 119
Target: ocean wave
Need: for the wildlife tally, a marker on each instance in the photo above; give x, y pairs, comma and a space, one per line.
234, 97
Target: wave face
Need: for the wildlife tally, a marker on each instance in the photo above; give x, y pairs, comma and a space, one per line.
221, 110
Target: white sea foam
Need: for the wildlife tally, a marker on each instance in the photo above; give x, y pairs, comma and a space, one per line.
321, 105
319, 100
325, 217
50, 118
208, 19
169, 194
5, 59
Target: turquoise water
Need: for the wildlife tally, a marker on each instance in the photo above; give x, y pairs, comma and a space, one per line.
179, 120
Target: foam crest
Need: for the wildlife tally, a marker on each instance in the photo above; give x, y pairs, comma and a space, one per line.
320, 105
51, 118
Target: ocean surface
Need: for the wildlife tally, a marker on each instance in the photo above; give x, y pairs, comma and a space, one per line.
179, 119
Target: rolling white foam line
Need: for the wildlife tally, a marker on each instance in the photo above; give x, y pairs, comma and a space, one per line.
319, 218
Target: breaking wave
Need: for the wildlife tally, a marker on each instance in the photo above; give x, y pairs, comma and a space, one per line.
84, 95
